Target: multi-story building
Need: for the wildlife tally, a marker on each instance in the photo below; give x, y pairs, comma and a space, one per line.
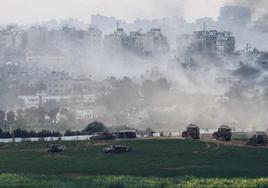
152, 75
14, 75
42, 98
37, 37
106, 24
183, 42
151, 43
43, 58
30, 101
12, 38
208, 42
58, 83
95, 39
115, 42
234, 16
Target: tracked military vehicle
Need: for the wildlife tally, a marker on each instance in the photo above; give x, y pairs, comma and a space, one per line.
116, 149
258, 139
103, 136
224, 133
56, 148
192, 132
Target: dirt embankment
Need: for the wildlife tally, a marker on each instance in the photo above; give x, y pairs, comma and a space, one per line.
238, 143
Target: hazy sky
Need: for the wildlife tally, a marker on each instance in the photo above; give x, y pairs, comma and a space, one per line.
28, 11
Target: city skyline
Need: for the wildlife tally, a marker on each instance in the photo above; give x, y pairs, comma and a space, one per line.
32, 11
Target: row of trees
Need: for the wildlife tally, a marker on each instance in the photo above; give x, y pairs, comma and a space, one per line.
91, 128
19, 133
96, 127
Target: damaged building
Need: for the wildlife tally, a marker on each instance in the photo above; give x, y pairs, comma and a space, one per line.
151, 43
210, 42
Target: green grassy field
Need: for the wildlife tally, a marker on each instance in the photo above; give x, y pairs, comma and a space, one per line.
151, 163
44, 181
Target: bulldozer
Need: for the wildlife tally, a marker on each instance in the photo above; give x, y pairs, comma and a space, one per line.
224, 133
192, 132
258, 139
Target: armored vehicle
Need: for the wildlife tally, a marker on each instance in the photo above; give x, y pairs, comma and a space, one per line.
102, 136
258, 139
116, 149
125, 134
56, 148
192, 132
224, 133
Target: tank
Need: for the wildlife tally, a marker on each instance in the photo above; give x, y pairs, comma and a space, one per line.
56, 148
192, 132
116, 149
103, 136
224, 133
125, 134
258, 139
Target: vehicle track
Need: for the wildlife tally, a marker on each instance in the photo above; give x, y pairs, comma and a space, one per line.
204, 151
217, 146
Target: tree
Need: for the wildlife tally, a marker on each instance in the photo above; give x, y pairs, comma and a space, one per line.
18, 133
95, 127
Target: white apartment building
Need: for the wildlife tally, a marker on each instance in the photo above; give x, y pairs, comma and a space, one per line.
11, 39
44, 59
40, 99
